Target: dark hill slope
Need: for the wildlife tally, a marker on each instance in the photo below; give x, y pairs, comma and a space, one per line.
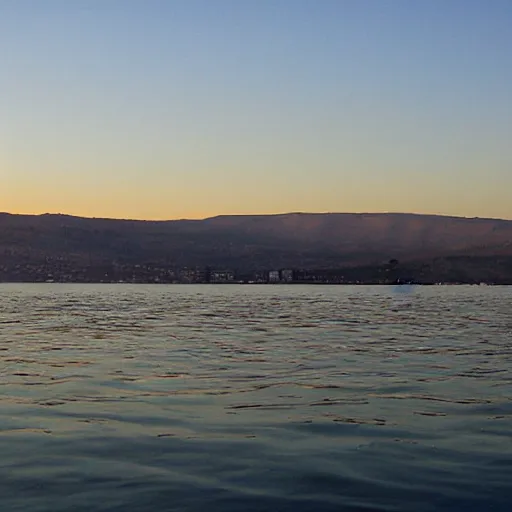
251, 242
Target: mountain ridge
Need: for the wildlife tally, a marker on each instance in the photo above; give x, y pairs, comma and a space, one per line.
250, 242
255, 215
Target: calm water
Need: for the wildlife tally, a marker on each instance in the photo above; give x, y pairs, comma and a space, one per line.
204, 398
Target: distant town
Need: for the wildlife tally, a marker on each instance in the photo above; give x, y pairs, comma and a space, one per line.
59, 270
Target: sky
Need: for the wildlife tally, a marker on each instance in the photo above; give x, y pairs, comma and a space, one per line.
163, 109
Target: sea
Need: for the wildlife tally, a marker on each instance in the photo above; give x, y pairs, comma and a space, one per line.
134, 398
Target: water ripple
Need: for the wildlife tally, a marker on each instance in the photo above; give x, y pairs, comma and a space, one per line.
255, 398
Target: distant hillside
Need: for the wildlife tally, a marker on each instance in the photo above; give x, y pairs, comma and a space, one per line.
251, 242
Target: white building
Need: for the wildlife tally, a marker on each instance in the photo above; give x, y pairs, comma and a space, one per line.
273, 276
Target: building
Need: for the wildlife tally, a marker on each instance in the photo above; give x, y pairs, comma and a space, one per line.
287, 275
225, 276
274, 277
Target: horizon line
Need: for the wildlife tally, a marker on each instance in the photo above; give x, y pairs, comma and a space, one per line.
277, 214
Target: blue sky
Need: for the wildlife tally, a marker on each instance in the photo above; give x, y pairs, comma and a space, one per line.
191, 108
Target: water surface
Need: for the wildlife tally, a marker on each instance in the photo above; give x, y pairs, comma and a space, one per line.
255, 398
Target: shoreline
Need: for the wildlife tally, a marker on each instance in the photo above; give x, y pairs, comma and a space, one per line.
297, 283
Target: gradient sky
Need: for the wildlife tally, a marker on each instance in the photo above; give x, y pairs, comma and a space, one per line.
189, 108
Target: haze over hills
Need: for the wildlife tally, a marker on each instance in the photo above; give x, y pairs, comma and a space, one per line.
249, 243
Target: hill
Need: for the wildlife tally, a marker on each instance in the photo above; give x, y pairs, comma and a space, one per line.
249, 243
